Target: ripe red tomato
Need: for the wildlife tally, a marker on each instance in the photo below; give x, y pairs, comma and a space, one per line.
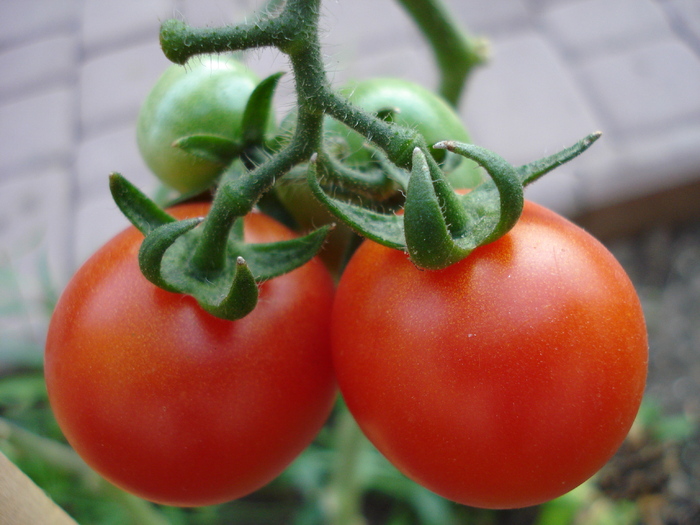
175, 405
502, 381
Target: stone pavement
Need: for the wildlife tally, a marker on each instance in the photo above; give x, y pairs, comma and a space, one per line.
73, 74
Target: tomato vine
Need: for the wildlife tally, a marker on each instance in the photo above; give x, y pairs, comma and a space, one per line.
439, 227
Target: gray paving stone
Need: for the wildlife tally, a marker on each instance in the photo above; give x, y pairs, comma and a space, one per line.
34, 210
412, 61
121, 22
544, 5
113, 86
664, 160
37, 129
589, 28
265, 62
97, 220
494, 18
103, 154
24, 20
647, 87
363, 27
38, 65
211, 13
33, 267
558, 191
525, 103
684, 16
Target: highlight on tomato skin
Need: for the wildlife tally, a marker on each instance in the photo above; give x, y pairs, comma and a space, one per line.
503, 381
175, 405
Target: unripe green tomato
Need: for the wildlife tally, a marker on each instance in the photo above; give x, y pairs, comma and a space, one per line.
412, 106
206, 96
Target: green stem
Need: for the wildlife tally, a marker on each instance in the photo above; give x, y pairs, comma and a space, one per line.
397, 141
54, 453
295, 32
65, 458
456, 52
344, 497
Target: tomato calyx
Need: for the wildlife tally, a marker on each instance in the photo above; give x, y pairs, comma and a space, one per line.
214, 265
255, 123
439, 227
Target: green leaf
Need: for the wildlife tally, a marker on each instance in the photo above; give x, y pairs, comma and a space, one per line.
213, 148
141, 211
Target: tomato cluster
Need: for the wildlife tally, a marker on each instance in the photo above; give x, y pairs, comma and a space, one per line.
502, 381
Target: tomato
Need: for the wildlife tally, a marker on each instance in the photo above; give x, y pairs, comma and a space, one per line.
175, 405
207, 96
416, 107
502, 381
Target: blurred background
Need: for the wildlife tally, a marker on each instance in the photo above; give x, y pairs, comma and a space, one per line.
73, 74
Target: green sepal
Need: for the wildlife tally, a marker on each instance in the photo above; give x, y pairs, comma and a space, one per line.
242, 296
399, 175
165, 255
495, 205
154, 246
213, 148
258, 110
529, 173
487, 213
386, 229
141, 211
429, 241
232, 291
273, 259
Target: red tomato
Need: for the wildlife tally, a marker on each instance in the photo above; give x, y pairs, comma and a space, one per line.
178, 406
502, 381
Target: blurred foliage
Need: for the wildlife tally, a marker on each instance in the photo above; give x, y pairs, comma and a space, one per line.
304, 493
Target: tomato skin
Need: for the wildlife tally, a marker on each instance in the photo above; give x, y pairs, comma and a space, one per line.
175, 405
209, 96
503, 381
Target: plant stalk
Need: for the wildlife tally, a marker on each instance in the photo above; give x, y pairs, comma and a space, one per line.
344, 496
456, 52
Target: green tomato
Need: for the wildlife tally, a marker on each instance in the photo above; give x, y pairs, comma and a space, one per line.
413, 106
206, 96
